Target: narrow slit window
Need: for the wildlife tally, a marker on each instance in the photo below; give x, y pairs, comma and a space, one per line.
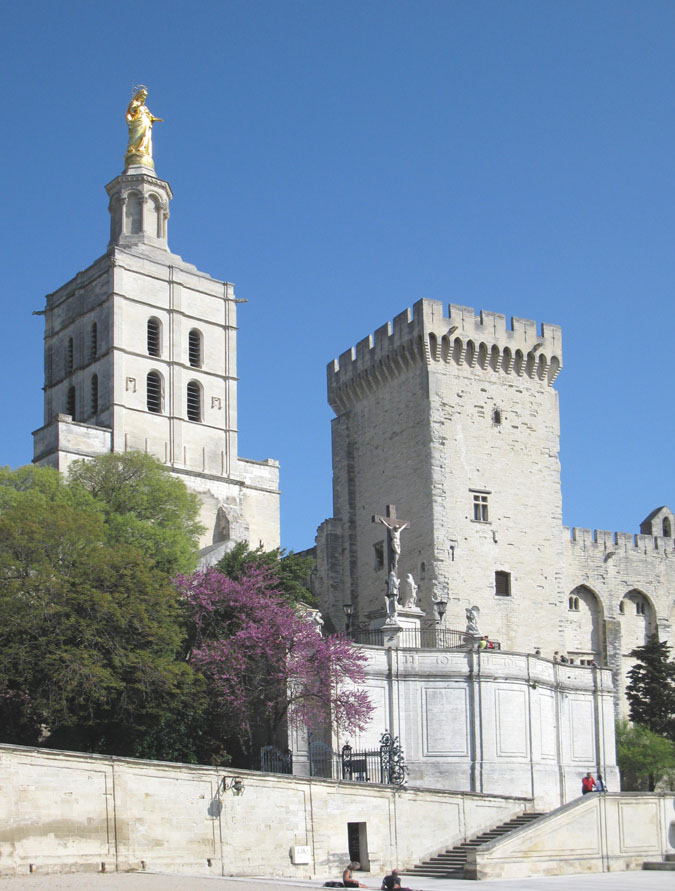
195, 348
94, 341
70, 402
194, 401
153, 337
69, 356
94, 394
153, 387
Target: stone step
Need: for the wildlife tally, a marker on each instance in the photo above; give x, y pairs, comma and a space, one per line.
450, 864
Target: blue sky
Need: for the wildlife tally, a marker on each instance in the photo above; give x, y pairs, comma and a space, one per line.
340, 160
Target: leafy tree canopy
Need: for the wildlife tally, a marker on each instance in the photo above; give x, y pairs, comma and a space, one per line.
651, 691
90, 636
144, 506
290, 571
642, 756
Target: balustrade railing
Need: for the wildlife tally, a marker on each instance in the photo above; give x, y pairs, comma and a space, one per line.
421, 639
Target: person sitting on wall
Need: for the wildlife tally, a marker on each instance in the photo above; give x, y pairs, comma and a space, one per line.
564, 659
588, 784
600, 784
348, 879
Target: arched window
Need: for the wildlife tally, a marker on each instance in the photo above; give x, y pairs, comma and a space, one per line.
70, 352
194, 401
154, 337
573, 604
667, 528
195, 348
94, 394
93, 341
622, 608
70, 402
153, 392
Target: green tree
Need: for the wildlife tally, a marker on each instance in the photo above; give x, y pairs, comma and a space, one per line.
92, 634
651, 691
144, 506
290, 571
643, 757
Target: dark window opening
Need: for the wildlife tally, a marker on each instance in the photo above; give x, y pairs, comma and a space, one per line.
622, 607
94, 341
194, 401
70, 402
94, 394
574, 604
195, 348
480, 508
496, 416
502, 583
667, 528
69, 356
378, 548
153, 337
153, 392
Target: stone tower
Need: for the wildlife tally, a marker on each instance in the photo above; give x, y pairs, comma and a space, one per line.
453, 418
141, 353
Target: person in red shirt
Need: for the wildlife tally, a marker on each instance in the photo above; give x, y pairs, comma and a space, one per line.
587, 784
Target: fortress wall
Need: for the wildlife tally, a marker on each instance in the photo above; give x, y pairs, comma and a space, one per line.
65, 812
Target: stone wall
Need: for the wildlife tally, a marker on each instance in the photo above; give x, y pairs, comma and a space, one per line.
61, 811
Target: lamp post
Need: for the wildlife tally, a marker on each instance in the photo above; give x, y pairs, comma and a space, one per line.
349, 609
441, 605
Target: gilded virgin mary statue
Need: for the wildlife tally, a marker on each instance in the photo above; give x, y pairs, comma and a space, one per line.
139, 121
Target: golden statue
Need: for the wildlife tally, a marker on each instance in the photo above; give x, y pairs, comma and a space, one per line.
139, 121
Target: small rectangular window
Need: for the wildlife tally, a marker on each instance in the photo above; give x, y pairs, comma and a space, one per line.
502, 583
480, 508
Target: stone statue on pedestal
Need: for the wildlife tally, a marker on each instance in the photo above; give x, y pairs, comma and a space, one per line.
411, 592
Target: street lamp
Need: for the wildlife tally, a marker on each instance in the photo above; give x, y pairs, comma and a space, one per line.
349, 609
441, 606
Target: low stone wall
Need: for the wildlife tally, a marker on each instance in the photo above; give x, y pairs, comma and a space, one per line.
596, 833
62, 811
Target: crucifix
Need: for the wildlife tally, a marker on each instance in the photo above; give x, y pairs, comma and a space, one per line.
394, 528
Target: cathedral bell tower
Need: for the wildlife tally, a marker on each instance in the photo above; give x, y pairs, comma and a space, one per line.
141, 353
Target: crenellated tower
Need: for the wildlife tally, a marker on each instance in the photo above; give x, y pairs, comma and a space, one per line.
452, 417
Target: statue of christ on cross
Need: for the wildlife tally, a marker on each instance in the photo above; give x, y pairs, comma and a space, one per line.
394, 528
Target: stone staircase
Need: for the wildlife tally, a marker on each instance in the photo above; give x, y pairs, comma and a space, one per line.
450, 865
667, 864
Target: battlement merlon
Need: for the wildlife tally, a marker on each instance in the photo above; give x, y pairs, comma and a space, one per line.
427, 333
607, 542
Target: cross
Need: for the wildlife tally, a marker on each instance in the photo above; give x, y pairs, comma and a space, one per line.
394, 528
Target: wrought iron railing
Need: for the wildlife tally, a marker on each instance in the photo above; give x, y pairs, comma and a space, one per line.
421, 639
273, 760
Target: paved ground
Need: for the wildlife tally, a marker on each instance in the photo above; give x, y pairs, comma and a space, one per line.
614, 881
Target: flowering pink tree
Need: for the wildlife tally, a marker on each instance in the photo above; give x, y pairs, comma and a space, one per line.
266, 663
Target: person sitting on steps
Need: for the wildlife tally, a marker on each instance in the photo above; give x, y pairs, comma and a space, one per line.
348, 879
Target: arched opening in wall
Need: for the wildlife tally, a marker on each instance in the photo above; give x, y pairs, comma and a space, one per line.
195, 348
541, 367
553, 369
471, 353
507, 360
70, 354
637, 620
529, 369
154, 337
518, 363
115, 218
154, 392
584, 626
154, 212
457, 350
133, 216
667, 528
483, 355
433, 347
94, 394
194, 401
70, 402
494, 357
93, 341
